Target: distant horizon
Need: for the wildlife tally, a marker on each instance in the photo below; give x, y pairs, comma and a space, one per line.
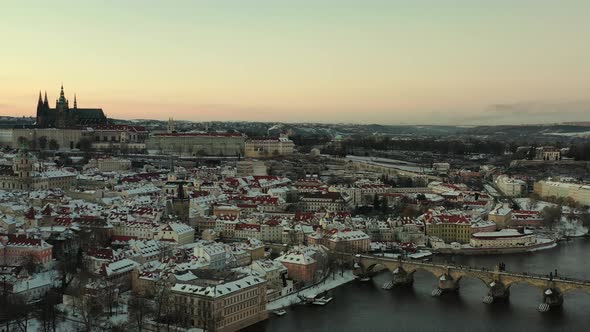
564, 123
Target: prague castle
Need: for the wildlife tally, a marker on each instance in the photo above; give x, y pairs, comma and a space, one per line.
62, 116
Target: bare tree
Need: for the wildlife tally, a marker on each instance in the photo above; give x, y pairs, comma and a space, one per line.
106, 295
15, 311
585, 219
53, 145
551, 215
31, 264
88, 310
139, 309
46, 311
163, 301
42, 142
69, 265
532, 203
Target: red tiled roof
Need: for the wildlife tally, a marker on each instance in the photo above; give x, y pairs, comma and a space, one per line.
121, 127
20, 240
102, 253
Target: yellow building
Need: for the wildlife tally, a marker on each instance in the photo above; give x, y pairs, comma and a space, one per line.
501, 216
268, 147
197, 144
450, 231
578, 192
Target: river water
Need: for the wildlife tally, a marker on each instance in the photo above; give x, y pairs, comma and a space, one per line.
364, 306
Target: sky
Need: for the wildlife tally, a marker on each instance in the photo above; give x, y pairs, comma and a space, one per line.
363, 61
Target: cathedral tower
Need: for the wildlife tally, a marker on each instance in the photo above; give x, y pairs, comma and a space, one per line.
171, 126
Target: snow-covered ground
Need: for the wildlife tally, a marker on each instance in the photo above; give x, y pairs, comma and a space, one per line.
566, 227
327, 284
572, 228
574, 134
524, 204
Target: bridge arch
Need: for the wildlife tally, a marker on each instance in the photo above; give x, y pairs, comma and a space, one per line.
524, 282
484, 279
437, 273
376, 267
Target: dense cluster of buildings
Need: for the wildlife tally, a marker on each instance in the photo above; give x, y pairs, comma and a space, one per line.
216, 240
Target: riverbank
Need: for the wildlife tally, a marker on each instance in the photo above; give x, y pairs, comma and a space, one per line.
328, 284
542, 244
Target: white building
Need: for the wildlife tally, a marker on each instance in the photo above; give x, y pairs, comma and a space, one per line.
505, 238
213, 252
509, 186
179, 233
109, 164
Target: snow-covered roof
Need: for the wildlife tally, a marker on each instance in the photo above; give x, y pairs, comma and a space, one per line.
118, 267
296, 257
219, 290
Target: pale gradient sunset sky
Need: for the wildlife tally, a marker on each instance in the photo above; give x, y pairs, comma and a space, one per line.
365, 61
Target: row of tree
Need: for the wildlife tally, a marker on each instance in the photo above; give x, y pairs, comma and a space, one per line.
444, 146
39, 143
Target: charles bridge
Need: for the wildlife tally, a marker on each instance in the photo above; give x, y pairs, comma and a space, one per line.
498, 281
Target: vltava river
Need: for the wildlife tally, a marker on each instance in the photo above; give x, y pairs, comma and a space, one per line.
359, 306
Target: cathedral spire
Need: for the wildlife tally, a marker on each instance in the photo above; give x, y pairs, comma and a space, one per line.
62, 98
39, 104
75, 101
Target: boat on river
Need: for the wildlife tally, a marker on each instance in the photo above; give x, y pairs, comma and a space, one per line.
307, 299
279, 312
322, 300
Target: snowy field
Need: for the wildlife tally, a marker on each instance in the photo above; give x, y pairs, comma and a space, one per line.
327, 284
525, 204
571, 228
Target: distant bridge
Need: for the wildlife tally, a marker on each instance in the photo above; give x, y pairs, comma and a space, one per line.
498, 282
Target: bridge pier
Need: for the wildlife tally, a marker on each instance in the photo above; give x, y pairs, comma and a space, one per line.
402, 278
497, 291
552, 298
446, 284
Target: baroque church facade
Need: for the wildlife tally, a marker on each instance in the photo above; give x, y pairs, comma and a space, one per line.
64, 117
24, 176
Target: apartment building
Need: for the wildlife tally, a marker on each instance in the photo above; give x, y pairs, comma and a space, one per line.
269, 146
225, 307
578, 192
509, 186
